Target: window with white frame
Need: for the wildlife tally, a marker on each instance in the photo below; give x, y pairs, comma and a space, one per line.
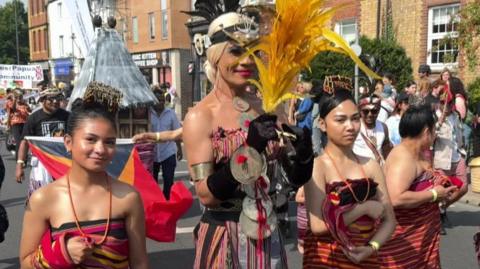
135, 29
151, 24
60, 46
164, 24
59, 9
442, 33
347, 29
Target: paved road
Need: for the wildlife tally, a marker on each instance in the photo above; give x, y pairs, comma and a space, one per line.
456, 251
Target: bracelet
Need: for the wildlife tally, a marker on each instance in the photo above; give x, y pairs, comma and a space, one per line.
21, 162
435, 195
157, 136
375, 245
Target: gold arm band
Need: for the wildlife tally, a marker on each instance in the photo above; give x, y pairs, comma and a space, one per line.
201, 171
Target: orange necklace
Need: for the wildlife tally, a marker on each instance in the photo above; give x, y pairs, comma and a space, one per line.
348, 183
107, 226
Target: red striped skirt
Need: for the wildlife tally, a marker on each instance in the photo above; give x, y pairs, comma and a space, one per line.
416, 240
322, 251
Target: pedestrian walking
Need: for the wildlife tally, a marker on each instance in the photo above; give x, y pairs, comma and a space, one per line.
415, 190
166, 153
18, 111
373, 140
225, 135
350, 215
48, 121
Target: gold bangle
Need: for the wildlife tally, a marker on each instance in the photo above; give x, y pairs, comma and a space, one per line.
157, 135
375, 245
201, 171
435, 195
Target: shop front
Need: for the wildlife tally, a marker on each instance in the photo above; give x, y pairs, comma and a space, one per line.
154, 66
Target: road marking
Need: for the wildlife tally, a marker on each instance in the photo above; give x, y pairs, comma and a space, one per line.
185, 230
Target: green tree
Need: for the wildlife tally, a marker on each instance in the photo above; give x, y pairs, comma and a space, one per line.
468, 27
473, 94
8, 52
389, 57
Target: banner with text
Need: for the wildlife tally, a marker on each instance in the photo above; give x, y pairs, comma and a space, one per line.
21, 76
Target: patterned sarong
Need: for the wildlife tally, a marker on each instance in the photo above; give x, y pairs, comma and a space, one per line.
416, 240
112, 254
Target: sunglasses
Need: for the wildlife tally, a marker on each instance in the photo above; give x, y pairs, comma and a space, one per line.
54, 98
373, 111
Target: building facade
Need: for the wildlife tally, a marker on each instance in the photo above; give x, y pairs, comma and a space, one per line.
419, 27
65, 55
38, 34
156, 36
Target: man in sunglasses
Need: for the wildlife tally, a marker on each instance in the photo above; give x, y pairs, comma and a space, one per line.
372, 141
49, 121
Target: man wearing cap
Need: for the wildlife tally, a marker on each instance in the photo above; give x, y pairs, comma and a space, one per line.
49, 121
18, 112
373, 140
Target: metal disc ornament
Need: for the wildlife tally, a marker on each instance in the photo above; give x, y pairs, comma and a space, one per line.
250, 208
246, 165
253, 192
250, 227
240, 105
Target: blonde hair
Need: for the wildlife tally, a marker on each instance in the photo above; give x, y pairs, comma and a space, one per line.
215, 52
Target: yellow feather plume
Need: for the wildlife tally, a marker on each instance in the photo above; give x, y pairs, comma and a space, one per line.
300, 31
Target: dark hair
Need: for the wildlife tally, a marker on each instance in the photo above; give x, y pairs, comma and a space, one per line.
415, 119
92, 110
437, 83
389, 76
457, 87
159, 94
410, 83
330, 102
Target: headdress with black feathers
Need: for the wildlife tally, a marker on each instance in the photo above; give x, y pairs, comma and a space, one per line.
212, 9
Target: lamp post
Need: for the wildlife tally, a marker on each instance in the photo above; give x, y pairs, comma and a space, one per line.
16, 30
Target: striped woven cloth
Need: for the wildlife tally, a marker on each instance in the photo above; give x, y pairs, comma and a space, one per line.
416, 240
112, 254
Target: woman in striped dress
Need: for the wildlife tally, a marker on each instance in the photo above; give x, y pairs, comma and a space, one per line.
415, 191
350, 215
229, 149
86, 219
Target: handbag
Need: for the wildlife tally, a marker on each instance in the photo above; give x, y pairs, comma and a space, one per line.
3, 223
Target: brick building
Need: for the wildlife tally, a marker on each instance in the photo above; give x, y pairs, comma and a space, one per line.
156, 36
38, 32
418, 27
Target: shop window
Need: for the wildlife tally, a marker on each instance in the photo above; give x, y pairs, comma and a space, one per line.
442, 36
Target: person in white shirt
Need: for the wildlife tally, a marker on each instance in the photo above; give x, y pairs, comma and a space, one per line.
372, 141
393, 121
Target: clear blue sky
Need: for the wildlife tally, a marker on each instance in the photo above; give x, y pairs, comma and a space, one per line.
2, 2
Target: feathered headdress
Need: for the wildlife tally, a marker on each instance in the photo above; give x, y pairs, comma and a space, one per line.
212, 9
240, 28
98, 93
300, 31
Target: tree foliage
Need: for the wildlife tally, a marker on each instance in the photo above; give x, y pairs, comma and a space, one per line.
468, 27
8, 52
474, 93
388, 55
